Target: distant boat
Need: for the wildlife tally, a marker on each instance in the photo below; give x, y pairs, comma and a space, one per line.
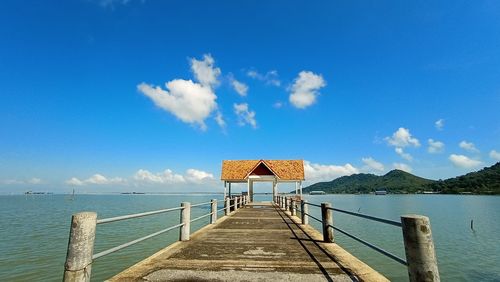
381, 192
317, 193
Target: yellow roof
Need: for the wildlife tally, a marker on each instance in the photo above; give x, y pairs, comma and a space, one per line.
284, 169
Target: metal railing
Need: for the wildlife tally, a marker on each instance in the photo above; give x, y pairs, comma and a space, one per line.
80, 254
417, 236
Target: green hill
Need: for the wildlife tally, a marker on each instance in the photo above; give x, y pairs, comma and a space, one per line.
395, 181
485, 181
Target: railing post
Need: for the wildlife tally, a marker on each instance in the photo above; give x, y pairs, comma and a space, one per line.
282, 202
78, 264
227, 210
213, 204
186, 220
419, 248
327, 221
293, 207
286, 204
235, 203
304, 210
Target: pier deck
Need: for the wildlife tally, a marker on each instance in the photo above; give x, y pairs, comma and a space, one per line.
257, 243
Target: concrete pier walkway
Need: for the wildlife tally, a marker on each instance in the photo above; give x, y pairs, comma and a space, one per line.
257, 243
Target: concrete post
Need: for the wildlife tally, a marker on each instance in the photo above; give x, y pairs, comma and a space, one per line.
213, 204
327, 221
78, 264
304, 207
235, 203
186, 220
419, 248
282, 202
293, 207
286, 204
227, 209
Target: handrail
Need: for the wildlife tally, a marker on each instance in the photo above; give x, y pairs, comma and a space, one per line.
201, 204
129, 216
419, 248
374, 218
311, 204
376, 248
122, 246
83, 227
200, 217
315, 218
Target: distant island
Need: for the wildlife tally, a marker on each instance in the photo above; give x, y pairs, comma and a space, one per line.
485, 181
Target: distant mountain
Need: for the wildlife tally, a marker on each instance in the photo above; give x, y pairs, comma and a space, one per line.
395, 181
485, 181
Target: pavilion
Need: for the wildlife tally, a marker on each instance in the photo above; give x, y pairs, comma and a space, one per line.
250, 171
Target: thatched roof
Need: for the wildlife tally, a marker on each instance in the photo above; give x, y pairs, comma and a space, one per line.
283, 169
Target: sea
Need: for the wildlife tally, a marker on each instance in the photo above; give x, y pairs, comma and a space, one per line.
34, 231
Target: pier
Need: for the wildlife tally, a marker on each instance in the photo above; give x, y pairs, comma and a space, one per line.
255, 241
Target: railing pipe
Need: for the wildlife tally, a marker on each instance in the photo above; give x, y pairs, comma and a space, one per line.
78, 266
327, 222
419, 248
186, 221
213, 218
304, 210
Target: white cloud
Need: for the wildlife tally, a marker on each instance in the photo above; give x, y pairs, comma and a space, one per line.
35, 181
278, 105
205, 72
165, 177
271, 77
435, 146
464, 161
100, 179
372, 165
402, 154
402, 138
305, 89
96, 179
245, 116
439, 124
74, 182
319, 172
32, 181
468, 146
198, 176
169, 177
495, 155
403, 167
240, 87
189, 101
220, 120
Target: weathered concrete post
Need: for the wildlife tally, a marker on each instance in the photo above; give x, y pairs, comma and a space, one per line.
213, 204
186, 220
293, 207
286, 204
78, 266
327, 221
419, 248
227, 210
235, 203
304, 210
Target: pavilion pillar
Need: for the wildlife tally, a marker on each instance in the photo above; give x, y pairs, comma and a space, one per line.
250, 190
229, 189
225, 186
275, 184
300, 188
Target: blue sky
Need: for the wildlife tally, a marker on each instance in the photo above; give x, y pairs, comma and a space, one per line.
153, 95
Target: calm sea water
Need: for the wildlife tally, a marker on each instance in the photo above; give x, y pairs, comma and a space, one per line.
34, 231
